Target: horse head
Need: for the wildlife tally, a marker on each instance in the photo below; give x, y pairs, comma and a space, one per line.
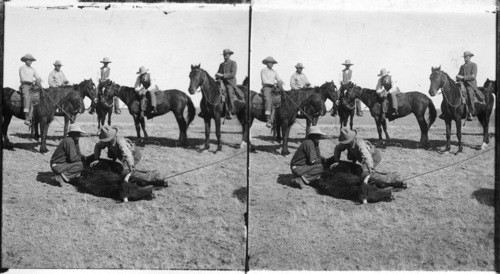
88, 89
329, 91
490, 85
196, 78
349, 92
317, 104
437, 81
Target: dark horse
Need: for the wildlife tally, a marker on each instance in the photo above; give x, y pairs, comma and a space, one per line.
408, 102
167, 100
310, 100
454, 109
346, 108
43, 114
84, 92
104, 105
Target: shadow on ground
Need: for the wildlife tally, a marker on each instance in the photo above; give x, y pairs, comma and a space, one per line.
193, 143
46, 178
241, 194
412, 144
484, 196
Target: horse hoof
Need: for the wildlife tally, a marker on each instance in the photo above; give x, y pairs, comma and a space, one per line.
44, 151
460, 150
484, 146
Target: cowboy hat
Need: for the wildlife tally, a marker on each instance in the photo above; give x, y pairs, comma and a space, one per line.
315, 130
75, 128
299, 65
383, 72
468, 53
142, 70
227, 51
27, 57
269, 59
57, 63
105, 60
346, 135
107, 133
347, 63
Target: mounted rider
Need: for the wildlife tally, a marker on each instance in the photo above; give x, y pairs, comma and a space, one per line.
387, 87
299, 79
29, 80
145, 84
346, 78
57, 77
227, 79
270, 81
467, 79
104, 76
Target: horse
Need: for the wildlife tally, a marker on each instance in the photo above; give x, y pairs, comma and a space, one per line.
408, 102
454, 109
43, 114
311, 107
89, 92
103, 106
167, 100
346, 108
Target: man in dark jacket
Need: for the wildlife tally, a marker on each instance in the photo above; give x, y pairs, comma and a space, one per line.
66, 162
227, 74
467, 79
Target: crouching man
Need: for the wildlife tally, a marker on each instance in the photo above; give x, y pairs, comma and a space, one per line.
66, 162
125, 157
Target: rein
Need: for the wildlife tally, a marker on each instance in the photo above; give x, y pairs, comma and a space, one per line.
447, 83
204, 93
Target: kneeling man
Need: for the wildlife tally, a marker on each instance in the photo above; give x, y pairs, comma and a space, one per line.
66, 162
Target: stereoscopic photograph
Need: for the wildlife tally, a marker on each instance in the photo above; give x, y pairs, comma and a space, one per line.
106, 161
249, 136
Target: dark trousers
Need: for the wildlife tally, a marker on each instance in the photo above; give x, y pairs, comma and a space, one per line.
308, 173
68, 170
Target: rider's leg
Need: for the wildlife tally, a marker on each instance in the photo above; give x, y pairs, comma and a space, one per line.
267, 105
25, 90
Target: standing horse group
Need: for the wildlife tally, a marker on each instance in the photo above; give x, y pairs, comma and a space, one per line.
310, 101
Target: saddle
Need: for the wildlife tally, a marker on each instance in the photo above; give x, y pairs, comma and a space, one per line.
222, 87
479, 94
16, 99
258, 100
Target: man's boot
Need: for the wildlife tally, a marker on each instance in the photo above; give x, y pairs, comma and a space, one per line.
268, 124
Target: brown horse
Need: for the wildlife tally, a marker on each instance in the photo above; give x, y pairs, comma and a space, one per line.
408, 102
454, 109
167, 100
67, 98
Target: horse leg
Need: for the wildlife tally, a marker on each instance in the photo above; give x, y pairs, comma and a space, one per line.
217, 133
384, 126
252, 148
44, 126
448, 135
143, 125
379, 129
424, 139
35, 128
484, 119
5, 126
207, 133
308, 125
352, 117
285, 130
109, 116
137, 126
182, 129
458, 123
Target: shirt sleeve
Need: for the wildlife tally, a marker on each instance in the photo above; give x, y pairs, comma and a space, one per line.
52, 79
37, 76
127, 153
336, 152
137, 85
63, 77
277, 77
311, 155
23, 75
365, 154
232, 71
97, 150
379, 88
263, 76
72, 155
293, 82
472, 76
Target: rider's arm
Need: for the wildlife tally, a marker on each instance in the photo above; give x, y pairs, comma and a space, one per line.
152, 85
472, 76
127, 153
293, 82
232, 71
379, 88
365, 154
138, 85
97, 150
52, 79
336, 153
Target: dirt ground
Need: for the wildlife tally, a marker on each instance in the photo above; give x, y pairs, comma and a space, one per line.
443, 221
195, 223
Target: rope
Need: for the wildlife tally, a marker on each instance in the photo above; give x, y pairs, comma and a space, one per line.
69, 116
205, 95
428, 172
200, 167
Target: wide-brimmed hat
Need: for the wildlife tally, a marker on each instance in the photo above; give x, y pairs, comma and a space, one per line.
107, 133
142, 70
269, 59
347, 63
75, 128
105, 60
57, 63
468, 53
383, 72
299, 65
227, 51
346, 135
315, 130
27, 57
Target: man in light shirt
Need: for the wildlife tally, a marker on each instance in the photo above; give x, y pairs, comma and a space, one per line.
144, 83
57, 77
299, 79
104, 74
270, 80
28, 77
345, 78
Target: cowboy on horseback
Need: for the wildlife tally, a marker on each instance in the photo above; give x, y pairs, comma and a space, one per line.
104, 73
467, 79
386, 88
299, 79
57, 77
270, 81
30, 80
227, 79
346, 78
145, 84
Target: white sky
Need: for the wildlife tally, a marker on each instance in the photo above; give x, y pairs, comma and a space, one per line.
131, 37
380, 34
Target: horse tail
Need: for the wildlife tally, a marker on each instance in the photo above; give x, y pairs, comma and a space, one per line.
191, 111
432, 114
